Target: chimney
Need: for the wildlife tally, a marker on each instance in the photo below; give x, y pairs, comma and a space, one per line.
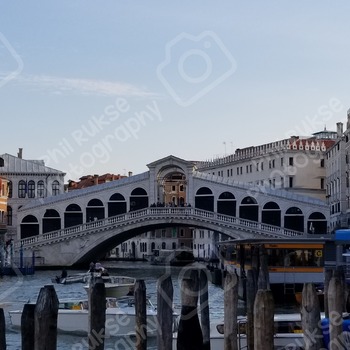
19, 154
339, 129
95, 179
130, 173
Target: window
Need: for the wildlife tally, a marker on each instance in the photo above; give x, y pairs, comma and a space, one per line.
31, 189
55, 188
290, 181
9, 216
9, 189
322, 163
22, 189
41, 189
291, 161
281, 161
322, 184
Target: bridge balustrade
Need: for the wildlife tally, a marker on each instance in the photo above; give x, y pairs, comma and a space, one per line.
252, 227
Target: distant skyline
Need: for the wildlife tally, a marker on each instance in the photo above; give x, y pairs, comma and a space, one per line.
93, 88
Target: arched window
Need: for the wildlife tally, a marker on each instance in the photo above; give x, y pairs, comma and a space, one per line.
9, 216
22, 189
41, 189
9, 189
2, 162
55, 188
163, 245
31, 189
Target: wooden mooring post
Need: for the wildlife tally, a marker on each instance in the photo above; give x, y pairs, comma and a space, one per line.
27, 327
97, 314
204, 308
2, 330
310, 318
336, 308
264, 320
230, 312
45, 319
141, 317
165, 294
189, 336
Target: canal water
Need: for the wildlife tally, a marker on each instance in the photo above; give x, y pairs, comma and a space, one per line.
16, 291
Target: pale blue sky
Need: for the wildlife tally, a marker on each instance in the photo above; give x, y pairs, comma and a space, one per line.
110, 86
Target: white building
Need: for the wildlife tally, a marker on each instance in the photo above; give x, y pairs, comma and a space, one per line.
27, 180
338, 177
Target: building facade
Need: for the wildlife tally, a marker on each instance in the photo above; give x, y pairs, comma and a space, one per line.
296, 164
27, 180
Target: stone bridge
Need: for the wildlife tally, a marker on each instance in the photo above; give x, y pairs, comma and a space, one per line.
78, 226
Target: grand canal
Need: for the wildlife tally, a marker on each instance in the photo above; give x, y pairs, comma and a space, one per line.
15, 291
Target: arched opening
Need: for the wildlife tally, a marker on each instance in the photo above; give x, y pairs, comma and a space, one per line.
138, 199
249, 209
29, 226
95, 210
271, 214
317, 224
204, 199
51, 221
294, 219
116, 205
227, 204
73, 216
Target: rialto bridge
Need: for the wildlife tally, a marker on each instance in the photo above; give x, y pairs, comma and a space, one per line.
80, 225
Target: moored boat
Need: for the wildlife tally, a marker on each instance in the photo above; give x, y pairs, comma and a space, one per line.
117, 286
73, 317
287, 333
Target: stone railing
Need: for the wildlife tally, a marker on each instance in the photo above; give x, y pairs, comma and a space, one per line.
159, 213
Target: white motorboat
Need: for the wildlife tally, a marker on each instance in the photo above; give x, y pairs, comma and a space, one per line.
117, 286
73, 317
288, 332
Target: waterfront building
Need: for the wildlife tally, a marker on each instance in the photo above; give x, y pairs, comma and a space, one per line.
27, 180
338, 178
3, 209
295, 164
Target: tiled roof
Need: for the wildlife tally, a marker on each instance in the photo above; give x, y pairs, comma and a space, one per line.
13, 165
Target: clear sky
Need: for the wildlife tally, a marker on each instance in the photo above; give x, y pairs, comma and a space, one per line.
109, 86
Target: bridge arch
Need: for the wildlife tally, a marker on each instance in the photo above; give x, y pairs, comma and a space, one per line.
204, 199
116, 204
271, 214
138, 199
95, 210
226, 204
29, 226
317, 223
249, 209
51, 221
73, 215
294, 219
